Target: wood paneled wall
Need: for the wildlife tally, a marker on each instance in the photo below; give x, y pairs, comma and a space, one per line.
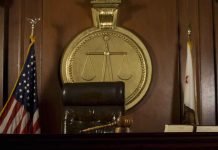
199, 14
1, 51
206, 56
215, 26
161, 25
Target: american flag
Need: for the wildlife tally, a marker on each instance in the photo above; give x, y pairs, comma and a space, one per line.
21, 114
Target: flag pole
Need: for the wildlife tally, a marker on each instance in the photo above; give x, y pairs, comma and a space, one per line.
33, 22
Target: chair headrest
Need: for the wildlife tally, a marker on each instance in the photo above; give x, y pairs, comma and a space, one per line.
93, 93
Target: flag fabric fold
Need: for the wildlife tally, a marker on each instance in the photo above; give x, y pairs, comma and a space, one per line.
190, 102
20, 114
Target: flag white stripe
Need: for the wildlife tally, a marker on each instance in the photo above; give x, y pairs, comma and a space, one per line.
38, 131
35, 122
24, 121
7, 117
36, 116
16, 120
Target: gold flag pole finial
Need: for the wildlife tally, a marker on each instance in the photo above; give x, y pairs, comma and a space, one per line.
33, 22
189, 31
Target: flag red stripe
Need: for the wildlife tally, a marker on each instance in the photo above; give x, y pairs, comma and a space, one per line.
15, 110
8, 106
36, 126
27, 129
24, 122
18, 128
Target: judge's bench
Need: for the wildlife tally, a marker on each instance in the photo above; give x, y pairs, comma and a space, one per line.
127, 141
102, 129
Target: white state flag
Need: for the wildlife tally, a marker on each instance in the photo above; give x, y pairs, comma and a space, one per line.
189, 87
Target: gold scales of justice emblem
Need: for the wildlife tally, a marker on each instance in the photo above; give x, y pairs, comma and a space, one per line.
106, 53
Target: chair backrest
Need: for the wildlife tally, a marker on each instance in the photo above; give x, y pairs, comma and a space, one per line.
91, 104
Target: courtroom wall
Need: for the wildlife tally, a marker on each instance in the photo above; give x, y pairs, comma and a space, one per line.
162, 27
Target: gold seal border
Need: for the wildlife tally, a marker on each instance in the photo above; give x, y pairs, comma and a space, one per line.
141, 91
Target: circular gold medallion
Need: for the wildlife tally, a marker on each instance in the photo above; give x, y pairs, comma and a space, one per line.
99, 55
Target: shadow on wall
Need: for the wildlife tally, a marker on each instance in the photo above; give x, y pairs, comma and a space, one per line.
176, 105
6, 3
85, 5
51, 103
2, 3
155, 73
128, 8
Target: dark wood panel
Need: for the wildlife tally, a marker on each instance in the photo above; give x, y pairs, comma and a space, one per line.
1, 53
155, 22
206, 48
215, 15
15, 35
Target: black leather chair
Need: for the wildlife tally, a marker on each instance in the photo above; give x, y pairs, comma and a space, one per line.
92, 104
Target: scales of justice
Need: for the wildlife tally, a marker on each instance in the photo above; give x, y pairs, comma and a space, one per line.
107, 53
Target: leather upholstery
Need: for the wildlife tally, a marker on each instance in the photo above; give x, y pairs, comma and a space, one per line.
91, 104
